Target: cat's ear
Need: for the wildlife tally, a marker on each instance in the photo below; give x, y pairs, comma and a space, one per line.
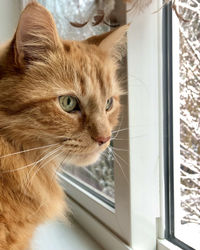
35, 35
113, 42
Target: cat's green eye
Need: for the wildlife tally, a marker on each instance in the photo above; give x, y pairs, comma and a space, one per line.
69, 103
109, 104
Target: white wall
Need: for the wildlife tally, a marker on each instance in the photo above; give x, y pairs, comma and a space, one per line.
9, 14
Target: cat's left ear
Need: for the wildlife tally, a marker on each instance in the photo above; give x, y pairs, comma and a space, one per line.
36, 34
113, 42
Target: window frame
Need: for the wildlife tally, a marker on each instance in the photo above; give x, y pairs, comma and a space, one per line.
145, 122
167, 117
170, 123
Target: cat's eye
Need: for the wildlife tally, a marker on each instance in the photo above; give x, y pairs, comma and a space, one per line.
69, 103
109, 104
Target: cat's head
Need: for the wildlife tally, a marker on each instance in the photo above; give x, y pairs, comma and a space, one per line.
56, 91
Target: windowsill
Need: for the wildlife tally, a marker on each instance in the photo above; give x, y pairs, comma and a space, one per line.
60, 236
166, 245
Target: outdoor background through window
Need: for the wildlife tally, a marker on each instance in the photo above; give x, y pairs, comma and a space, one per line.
187, 121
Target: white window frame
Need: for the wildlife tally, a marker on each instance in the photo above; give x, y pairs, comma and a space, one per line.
145, 111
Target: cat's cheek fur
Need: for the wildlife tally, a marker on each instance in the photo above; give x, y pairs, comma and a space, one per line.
113, 116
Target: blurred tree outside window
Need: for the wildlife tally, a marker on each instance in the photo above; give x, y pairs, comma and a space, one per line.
188, 12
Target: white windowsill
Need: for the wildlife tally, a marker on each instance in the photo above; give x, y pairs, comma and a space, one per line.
60, 236
166, 245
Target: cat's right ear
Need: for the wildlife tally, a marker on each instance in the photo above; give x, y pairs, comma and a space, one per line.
35, 35
113, 42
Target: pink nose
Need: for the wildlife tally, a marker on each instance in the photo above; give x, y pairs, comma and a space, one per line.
102, 140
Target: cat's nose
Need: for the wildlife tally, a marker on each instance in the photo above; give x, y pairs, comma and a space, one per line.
101, 140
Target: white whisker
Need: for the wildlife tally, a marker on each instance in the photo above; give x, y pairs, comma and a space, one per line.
115, 139
43, 165
45, 157
121, 169
49, 154
28, 150
120, 149
117, 155
120, 130
23, 167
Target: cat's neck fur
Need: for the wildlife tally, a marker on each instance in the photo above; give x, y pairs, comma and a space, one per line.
20, 175
27, 198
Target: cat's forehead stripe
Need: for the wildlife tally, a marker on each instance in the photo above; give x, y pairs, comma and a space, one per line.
91, 77
83, 85
101, 81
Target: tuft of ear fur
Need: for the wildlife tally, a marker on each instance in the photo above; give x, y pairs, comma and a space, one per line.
36, 33
138, 5
113, 42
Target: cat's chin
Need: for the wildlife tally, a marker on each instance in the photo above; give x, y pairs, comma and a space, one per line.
85, 160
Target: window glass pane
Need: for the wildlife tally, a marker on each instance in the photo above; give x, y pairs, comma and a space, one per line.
186, 102
68, 15
99, 176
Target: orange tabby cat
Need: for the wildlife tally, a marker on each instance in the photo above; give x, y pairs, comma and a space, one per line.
59, 100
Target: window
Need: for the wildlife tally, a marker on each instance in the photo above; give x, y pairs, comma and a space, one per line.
8, 19
182, 134
98, 178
